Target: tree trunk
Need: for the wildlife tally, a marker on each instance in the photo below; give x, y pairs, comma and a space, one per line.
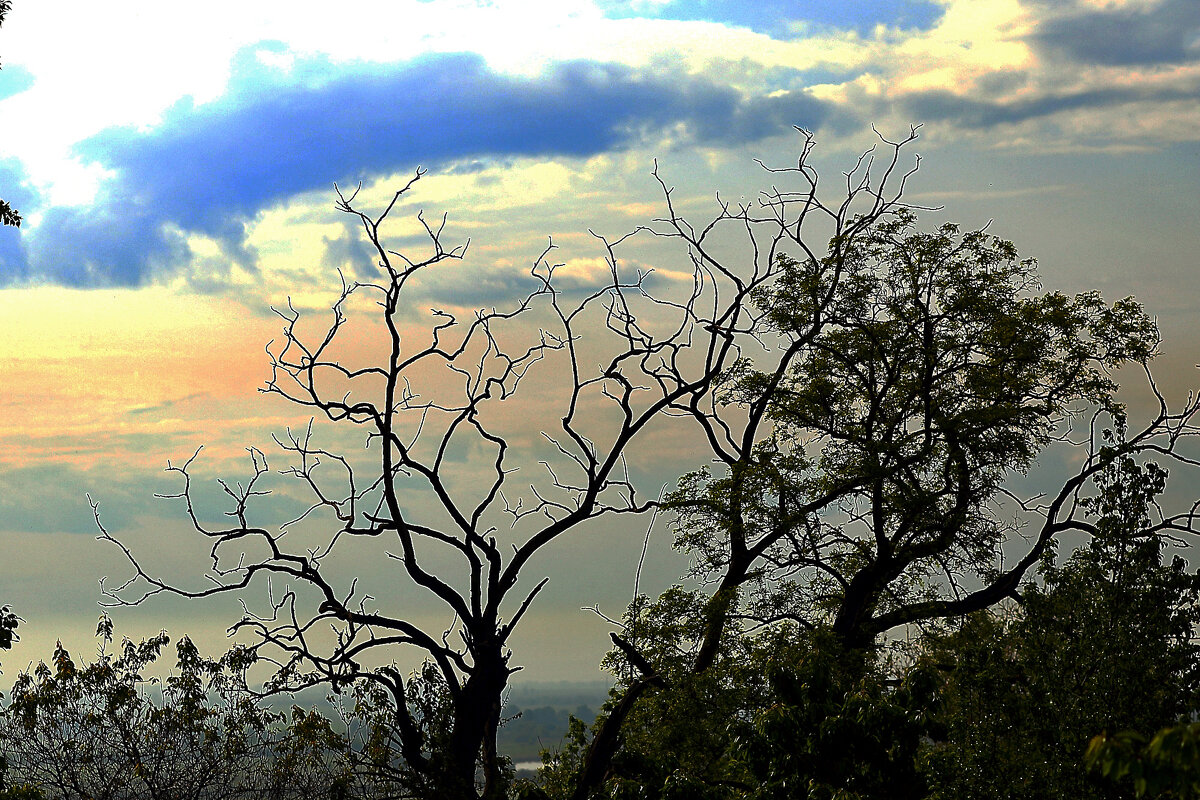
476, 720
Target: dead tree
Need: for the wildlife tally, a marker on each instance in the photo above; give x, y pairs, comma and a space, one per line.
663, 357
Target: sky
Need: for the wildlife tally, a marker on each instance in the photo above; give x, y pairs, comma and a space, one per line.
176, 168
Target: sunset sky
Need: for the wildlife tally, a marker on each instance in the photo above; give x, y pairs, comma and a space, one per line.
175, 166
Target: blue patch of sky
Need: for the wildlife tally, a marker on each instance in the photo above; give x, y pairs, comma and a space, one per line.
14, 185
14, 263
279, 132
14, 80
778, 17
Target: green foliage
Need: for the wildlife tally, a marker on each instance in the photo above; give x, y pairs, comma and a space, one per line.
109, 730
377, 746
24, 791
928, 370
1105, 644
1001, 707
676, 743
560, 765
310, 760
105, 730
780, 714
1167, 766
837, 728
9, 215
8, 627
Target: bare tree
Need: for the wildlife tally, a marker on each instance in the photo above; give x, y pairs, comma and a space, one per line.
664, 357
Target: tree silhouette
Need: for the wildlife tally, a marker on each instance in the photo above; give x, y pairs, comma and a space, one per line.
659, 357
868, 487
1105, 643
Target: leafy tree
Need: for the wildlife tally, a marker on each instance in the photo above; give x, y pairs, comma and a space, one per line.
676, 743
781, 713
924, 371
837, 729
1167, 765
310, 759
1106, 643
936, 375
106, 731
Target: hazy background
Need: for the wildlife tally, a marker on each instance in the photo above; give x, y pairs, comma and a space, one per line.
175, 168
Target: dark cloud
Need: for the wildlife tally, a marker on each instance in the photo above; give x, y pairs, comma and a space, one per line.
211, 168
118, 241
466, 285
13, 260
51, 498
774, 17
1167, 32
1002, 82
944, 106
15, 191
757, 118
350, 252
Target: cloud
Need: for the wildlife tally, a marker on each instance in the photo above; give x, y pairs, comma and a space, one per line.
1070, 75
1167, 32
153, 408
13, 260
282, 131
348, 251
778, 17
116, 242
943, 106
15, 191
50, 498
